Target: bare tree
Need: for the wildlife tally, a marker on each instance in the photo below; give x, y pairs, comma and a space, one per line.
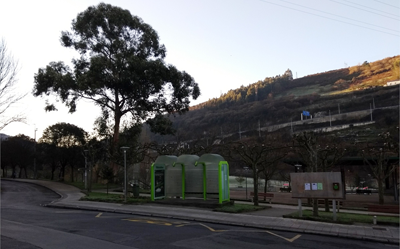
8, 95
377, 157
259, 155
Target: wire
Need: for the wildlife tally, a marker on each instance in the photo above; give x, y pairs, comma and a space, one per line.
365, 10
340, 16
373, 8
329, 18
387, 4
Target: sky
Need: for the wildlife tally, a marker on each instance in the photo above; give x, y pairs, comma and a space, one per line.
222, 44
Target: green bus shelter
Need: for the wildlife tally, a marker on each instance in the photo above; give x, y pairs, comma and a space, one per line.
188, 173
183, 176
158, 184
215, 176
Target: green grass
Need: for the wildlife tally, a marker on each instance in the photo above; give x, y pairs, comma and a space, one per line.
95, 186
345, 218
239, 208
113, 198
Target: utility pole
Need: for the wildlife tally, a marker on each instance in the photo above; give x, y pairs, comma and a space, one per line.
291, 125
86, 169
125, 173
370, 108
34, 157
0, 151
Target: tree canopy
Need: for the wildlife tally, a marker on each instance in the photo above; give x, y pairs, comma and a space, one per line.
66, 141
121, 69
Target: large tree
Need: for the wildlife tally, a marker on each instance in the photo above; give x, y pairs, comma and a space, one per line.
121, 69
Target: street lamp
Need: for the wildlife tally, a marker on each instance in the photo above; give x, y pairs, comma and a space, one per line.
125, 173
298, 167
34, 158
245, 170
86, 174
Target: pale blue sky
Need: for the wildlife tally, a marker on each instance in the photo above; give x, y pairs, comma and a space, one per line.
223, 44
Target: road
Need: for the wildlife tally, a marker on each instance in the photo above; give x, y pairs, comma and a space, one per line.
26, 224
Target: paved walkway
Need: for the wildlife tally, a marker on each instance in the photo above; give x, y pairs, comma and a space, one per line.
70, 199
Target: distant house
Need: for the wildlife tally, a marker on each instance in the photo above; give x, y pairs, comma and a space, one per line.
392, 83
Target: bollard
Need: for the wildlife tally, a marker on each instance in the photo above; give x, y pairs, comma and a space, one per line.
374, 220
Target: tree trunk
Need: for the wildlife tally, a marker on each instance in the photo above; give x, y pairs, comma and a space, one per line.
395, 189
380, 191
387, 183
26, 175
13, 172
62, 173
265, 188
53, 169
72, 173
255, 180
315, 207
117, 121
326, 201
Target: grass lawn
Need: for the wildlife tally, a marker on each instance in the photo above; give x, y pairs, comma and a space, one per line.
345, 218
114, 198
239, 208
95, 186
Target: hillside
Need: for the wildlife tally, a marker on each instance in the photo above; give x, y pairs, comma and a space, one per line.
281, 99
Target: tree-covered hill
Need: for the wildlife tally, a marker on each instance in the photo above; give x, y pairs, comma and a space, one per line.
281, 99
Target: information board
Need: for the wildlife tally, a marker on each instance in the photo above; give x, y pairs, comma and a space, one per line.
322, 185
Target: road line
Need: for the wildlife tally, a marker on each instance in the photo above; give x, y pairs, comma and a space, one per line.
290, 240
97, 216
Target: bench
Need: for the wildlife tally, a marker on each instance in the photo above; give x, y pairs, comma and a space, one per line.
266, 195
393, 209
363, 191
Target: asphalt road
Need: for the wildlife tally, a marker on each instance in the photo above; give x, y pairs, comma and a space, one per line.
26, 224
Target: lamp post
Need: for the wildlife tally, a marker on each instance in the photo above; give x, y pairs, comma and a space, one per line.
298, 167
245, 170
86, 174
125, 172
34, 158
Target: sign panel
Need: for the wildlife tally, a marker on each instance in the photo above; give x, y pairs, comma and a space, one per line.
314, 186
336, 186
159, 182
317, 185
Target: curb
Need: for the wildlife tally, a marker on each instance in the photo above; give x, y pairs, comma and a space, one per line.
230, 223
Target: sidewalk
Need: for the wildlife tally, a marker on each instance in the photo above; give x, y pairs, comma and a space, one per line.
70, 199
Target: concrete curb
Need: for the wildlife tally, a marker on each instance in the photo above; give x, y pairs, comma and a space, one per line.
232, 223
